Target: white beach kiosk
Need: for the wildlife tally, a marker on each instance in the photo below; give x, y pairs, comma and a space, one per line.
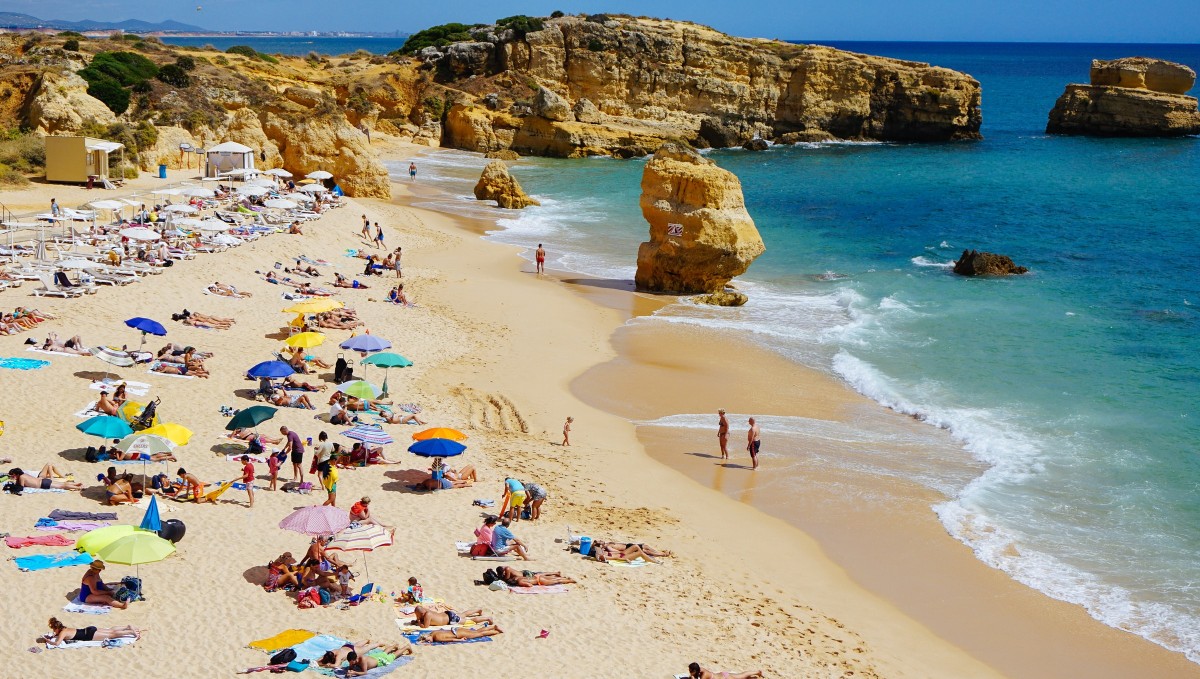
227, 157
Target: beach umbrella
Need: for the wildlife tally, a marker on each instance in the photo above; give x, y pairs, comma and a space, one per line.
316, 520
40, 252
175, 433
281, 204
267, 183
366, 537
105, 426
366, 343
131, 410
182, 208
226, 239
213, 226
146, 444
360, 389
107, 205
440, 433
140, 233
314, 306
120, 359
167, 192
96, 540
279, 172
79, 264
386, 360
319, 174
371, 434
306, 340
270, 369
150, 520
313, 188
250, 417
135, 549
436, 447
147, 327
199, 192
251, 190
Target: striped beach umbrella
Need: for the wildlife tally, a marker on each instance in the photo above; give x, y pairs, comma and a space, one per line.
363, 537
369, 434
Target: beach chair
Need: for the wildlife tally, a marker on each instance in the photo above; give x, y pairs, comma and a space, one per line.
50, 288
64, 283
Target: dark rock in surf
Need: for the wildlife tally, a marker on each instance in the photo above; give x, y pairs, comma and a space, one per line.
976, 263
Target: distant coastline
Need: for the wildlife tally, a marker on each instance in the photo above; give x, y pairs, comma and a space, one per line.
292, 45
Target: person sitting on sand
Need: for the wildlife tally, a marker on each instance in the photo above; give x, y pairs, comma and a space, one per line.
603, 551
379, 656
299, 351
397, 296
282, 572
105, 405
436, 616
195, 487
195, 365
505, 543
483, 536
92, 589
360, 454
171, 349
219, 288
317, 556
695, 671
46, 479
515, 578
293, 382
119, 396
282, 398
115, 491
467, 473
361, 512
59, 633
449, 636
294, 228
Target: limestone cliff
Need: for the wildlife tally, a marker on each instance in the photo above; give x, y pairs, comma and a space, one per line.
1132, 97
60, 104
497, 184
636, 82
700, 233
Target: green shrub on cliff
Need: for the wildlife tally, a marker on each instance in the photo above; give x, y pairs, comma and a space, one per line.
22, 152
173, 75
111, 74
436, 36
250, 52
109, 91
71, 45
521, 24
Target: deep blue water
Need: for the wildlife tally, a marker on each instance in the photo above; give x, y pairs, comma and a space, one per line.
1076, 385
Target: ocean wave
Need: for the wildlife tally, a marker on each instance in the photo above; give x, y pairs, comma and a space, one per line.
920, 260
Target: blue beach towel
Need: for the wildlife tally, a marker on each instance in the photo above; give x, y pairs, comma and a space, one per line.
412, 637
41, 562
372, 674
314, 648
23, 363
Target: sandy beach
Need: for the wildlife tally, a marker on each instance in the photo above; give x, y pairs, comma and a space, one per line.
506, 356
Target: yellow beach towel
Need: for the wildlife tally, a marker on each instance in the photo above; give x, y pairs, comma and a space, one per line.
282, 640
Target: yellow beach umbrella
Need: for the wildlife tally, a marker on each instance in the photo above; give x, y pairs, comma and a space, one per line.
137, 548
130, 410
175, 433
314, 306
305, 340
440, 433
95, 540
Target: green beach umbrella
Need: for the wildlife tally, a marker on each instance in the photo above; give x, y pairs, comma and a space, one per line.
386, 360
135, 549
95, 540
250, 417
359, 389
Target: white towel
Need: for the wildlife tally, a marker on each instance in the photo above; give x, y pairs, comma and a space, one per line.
52, 353
182, 377
111, 643
135, 388
86, 609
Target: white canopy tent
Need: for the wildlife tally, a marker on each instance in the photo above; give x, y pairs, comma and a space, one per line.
223, 158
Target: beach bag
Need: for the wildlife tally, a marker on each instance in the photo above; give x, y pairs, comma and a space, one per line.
283, 657
478, 549
91, 455
324, 596
133, 587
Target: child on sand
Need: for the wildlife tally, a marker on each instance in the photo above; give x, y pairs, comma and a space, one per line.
344, 578
273, 468
248, 479
567, 431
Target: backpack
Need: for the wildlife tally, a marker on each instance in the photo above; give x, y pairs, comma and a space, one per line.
133, 586
91, 455
283, 657
325, 596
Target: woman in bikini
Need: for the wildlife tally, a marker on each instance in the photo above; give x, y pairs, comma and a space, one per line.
449, 636
106, 405
46, 479
119, 396
59, 633
516, 578
695, 671
603, 551
282, 398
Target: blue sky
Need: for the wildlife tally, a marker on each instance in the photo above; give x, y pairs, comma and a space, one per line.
971, 20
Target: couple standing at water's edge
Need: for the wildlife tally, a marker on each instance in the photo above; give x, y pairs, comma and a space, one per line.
753, 438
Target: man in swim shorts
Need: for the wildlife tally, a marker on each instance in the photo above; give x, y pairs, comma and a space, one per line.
753, 442
540, 255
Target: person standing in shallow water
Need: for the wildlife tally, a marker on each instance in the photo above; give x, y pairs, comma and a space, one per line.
412, 172
540, 256
753, 442
723, 433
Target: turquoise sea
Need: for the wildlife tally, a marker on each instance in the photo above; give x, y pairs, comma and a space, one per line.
1075, 387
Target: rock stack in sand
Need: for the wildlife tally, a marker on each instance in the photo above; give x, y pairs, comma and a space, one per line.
497, 184
976, 263
700, 233
1131, 97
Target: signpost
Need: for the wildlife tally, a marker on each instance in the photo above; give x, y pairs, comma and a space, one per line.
675, 230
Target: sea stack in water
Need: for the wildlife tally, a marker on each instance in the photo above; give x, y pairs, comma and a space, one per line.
976, 263
497, 184
1131, 97
700, 233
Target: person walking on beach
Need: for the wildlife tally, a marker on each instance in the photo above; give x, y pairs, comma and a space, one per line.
540, 256
295, 447
412, 172
723, 433
753, 442
378, 235
366, 230
567, 431
248, 478
54, 209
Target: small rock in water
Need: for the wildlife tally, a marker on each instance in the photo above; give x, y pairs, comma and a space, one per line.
722, 298
976, 263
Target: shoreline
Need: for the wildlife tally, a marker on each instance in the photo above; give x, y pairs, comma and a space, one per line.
1006, 624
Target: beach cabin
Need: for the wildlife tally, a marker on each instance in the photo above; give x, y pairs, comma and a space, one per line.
226, 157
80, 159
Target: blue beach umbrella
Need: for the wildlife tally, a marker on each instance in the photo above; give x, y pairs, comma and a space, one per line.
147, 327
437, 448
106, 427
272, 369
150, 521
366, 344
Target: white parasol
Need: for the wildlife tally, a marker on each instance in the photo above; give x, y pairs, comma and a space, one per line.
281, 204
279, 172
313, 188
319, 174
140, 233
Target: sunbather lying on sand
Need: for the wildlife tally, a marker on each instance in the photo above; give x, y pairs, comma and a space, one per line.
603, 551
171, 349
59, 633
357, 405
250, 435
47, 478
449, 636
695, 671
303, 270
306, 289
293, 382
400, 417
341, 321
199, 320
343, 282
436, 616
219, 288
516, 578
379, 656
282, 398
74, 345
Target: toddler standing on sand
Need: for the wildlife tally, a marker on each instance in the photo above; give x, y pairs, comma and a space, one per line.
567, 431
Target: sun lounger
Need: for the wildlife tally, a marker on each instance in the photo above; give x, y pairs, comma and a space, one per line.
50, 288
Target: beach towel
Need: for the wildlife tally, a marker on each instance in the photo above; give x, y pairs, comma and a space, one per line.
55, 540
108, 643
41, 562
72, 526
72, 515
316, 262
621, 563
312, 649
155, 364
264, 668
23, 363
88, 412
371, 674
282, 640
452, 643
77, 606
237, 457
52, 353
43, 490
540, 589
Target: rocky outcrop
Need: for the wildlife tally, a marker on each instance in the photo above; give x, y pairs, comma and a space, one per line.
332, 144
497, 184
756, 145
475, 128
503, 154
975, 263
61, 105
700, 233
1132, 97
722, 298
647, 80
